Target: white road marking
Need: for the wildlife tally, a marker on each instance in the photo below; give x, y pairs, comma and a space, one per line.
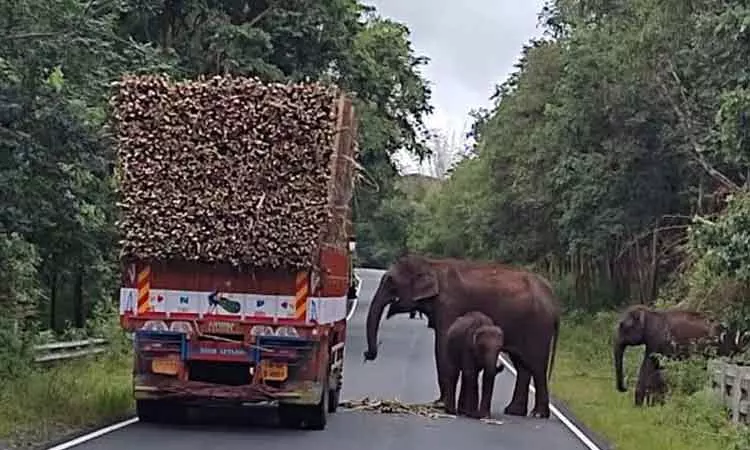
354, 308
557, 413
93, 435
356, 298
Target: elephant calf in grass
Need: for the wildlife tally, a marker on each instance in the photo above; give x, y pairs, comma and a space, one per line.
651, 386
473, 344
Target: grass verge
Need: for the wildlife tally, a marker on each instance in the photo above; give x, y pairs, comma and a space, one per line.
45, 403
584, 380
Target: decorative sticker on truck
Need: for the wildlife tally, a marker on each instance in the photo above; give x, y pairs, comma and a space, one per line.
223, 304
261, 306
286, 308
217, 304
184, 302
156, 302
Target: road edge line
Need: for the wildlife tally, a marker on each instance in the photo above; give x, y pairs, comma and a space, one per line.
94, 434
580, 434
354, 308
355, 302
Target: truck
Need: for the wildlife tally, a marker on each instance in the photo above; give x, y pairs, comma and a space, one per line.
233, 334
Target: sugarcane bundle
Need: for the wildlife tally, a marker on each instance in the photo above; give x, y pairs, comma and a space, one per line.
226, 169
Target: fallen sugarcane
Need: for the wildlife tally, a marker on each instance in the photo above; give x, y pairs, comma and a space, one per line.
397, 407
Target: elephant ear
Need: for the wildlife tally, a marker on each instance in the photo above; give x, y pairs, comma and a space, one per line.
425, 285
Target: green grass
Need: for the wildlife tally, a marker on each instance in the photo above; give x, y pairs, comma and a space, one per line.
584, 379
45, 402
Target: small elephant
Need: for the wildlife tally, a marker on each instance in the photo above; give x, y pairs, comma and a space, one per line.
473, 344
651, 386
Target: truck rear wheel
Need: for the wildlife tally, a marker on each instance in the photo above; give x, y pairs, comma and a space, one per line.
313, 417
159, 411
317, 416
334, 396
149, 411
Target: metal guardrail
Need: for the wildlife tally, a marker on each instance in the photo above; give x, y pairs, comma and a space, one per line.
58, 351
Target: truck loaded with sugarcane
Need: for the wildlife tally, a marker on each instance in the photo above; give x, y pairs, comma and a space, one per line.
236, 238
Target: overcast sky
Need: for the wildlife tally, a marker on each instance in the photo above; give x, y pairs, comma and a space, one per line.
471, 48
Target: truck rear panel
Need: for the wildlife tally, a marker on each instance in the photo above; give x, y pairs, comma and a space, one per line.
211, 333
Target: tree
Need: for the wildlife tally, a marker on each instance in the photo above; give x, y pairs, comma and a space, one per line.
56, 70
616, 128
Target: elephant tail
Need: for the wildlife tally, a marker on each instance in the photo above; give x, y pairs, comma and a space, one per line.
555, 338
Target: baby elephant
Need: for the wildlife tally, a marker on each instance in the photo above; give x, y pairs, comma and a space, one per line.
651, 387
473, 344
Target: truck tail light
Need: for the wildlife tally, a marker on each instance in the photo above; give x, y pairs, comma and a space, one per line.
261, 330
155, 325
180, 326
266, 330
287, 331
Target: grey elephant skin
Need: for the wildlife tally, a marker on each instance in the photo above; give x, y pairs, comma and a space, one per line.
473, 344
672, 333
521, 303
651, 382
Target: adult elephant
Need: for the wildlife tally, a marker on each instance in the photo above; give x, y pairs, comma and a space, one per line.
672, 333
520, 302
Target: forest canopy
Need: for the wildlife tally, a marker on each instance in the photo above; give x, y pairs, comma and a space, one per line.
58, 245
614, 158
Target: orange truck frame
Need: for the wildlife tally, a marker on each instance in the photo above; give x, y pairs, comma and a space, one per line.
212, 334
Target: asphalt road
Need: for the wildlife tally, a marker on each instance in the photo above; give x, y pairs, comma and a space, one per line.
404, 370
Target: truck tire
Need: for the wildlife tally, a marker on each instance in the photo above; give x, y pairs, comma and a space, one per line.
313, 417
150, 411
160, 411
290, 416
316, 416
334, 396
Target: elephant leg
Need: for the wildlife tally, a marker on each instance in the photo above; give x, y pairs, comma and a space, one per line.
541, 397
451, 373
462, 397
518, 405
440, 363
642, 385
469, 385
488, 385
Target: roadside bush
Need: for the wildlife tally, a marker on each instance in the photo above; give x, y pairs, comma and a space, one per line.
685, 377
719, 279
19, 295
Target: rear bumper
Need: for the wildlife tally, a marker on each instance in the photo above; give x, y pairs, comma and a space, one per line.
154, 387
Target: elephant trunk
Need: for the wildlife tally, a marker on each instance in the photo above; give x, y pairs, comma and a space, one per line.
493, 360
619, 352
374, 314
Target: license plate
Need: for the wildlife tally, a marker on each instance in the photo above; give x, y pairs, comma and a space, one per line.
274, 371
165, 366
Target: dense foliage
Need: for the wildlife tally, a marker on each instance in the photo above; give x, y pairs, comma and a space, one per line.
608, 153
58, 247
